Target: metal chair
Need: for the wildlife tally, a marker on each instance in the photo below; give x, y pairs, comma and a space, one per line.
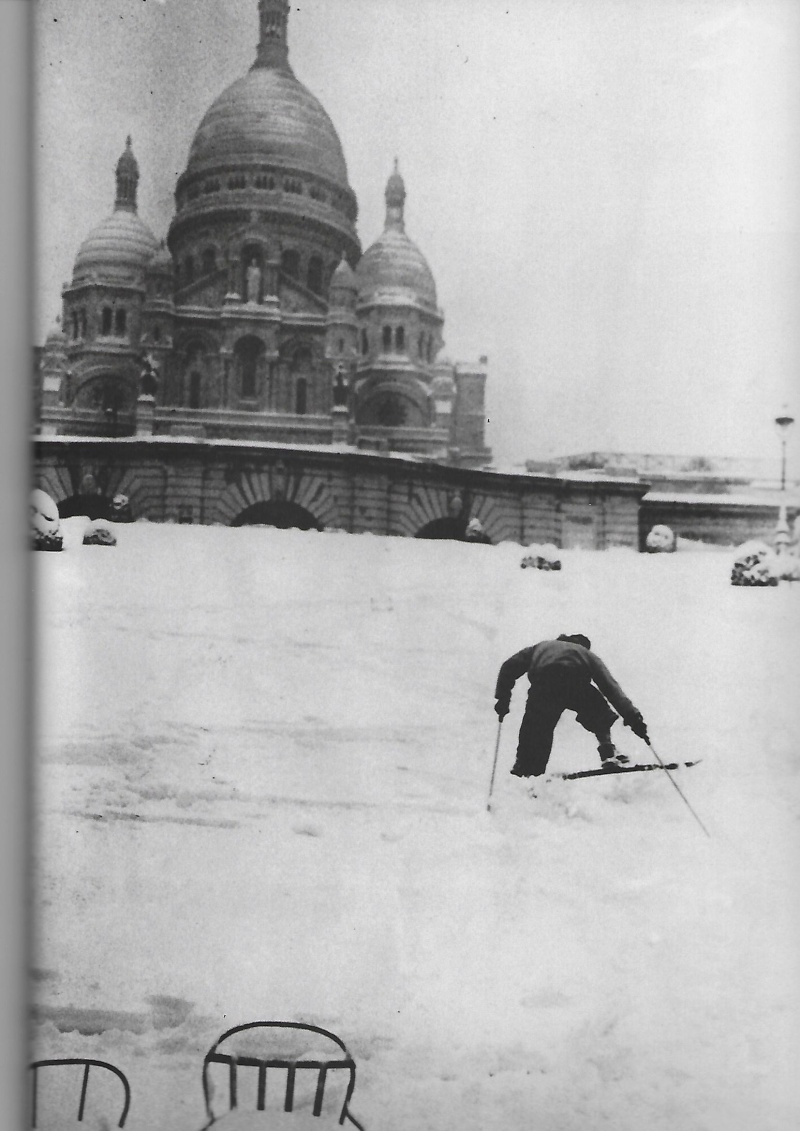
241, 1051
62, 1062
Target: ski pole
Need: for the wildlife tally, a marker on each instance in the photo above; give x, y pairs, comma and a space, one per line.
680, 791
494, 766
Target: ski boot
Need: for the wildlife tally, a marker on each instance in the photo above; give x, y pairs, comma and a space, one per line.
610, 756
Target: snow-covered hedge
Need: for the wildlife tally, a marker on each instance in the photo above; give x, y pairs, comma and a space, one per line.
541, 557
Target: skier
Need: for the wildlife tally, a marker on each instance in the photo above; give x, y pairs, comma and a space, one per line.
561, 673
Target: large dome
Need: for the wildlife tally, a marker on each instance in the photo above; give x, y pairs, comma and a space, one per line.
268, 116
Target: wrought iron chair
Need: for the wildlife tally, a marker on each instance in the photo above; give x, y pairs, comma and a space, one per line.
62, 1062
291, 1046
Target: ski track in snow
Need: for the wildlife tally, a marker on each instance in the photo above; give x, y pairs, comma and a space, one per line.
261, 779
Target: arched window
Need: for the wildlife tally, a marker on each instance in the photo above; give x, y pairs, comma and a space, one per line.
400, 338
156, 333
105, 327
290, 263
364, 342
188, 270
209, 261
248, 353
387, 337
301, 396
315, 274
421, 345
341, 345
430, 348
121, 321
195, 389
74, 324
83, 321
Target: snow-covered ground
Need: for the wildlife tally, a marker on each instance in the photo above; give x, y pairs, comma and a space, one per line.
261, 793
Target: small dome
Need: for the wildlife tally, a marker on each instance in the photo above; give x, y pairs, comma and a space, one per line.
394, 262
117, 248
162, 260
267, 115
344, 277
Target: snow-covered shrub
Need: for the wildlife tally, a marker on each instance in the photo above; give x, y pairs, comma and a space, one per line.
661, 540
45, 522
754, 564
99, 533
544, 557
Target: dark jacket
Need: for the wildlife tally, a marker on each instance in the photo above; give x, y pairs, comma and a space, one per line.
569, 661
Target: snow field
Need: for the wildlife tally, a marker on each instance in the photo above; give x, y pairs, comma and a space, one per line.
261, 780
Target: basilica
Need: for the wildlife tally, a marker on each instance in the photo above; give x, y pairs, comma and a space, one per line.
258, 317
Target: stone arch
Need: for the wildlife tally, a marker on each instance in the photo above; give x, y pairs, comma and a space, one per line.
445, 527
276, 482
277, 512
393, 404
110, 395
415, 505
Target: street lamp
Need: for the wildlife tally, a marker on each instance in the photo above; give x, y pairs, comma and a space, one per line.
783, 423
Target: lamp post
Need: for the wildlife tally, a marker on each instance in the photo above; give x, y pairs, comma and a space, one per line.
783, 423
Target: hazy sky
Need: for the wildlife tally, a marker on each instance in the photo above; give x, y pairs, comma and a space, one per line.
606, 190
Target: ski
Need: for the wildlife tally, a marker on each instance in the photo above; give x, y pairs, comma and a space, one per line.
604, 771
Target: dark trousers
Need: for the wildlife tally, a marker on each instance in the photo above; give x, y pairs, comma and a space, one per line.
548, 698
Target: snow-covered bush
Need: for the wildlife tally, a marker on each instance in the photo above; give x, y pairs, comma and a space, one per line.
541, 557
661, 540
45, 522
754, 564
99, 533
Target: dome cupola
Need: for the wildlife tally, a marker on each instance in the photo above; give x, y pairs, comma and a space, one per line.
119, 248
394, 266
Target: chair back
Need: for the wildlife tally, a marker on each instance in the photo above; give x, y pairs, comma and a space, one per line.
272, 1048
38, 1066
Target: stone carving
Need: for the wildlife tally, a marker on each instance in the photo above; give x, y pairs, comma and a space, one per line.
148, 377
253, 282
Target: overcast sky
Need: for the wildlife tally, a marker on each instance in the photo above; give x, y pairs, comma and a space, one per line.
606, 190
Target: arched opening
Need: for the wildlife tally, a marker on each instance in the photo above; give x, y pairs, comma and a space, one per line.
93, 506
452, 528
248, 353
390, 409
302, 373
301, 396
387, 338
195, 390
364, 342
278, 512
121, 322
315, 274
400, 339
112, 398
290, 263
105, 326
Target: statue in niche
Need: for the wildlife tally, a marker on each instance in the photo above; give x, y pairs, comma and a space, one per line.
148, 377
253, 281
340, 388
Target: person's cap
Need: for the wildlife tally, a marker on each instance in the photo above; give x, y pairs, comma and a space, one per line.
576, 638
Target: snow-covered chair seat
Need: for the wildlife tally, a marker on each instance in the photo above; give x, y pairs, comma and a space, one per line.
58, 1091
308, 1067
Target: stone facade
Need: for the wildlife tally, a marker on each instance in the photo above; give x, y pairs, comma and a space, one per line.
258, 318
173, 479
